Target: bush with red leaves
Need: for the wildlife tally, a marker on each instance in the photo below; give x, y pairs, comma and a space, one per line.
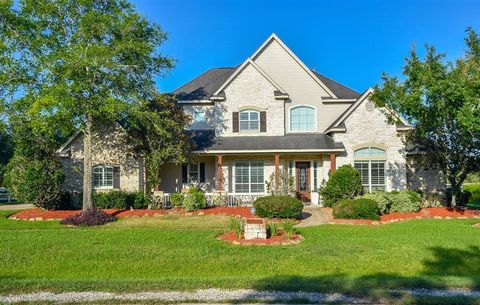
93, 217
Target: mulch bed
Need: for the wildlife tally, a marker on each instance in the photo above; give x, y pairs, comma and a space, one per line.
436, 213
39, 214
280, 239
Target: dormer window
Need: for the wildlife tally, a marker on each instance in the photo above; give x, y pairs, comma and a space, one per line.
302, 118
249, 120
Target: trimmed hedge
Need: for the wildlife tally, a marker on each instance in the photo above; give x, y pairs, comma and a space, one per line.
403, 201
345, 183
278, 207
192, 200
120, 200
360, 208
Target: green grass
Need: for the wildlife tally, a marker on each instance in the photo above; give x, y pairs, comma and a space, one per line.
176, 252
474, 202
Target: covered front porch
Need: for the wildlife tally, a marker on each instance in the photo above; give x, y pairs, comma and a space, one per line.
241, 178
242, 168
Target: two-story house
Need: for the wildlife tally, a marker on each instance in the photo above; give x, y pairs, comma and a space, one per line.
273, 113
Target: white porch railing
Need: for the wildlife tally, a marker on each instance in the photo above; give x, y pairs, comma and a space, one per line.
214, 199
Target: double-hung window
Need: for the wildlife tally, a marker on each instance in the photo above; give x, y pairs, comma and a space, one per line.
103, 177
249, 120
371, 163
249, 177
193, 173
302, 118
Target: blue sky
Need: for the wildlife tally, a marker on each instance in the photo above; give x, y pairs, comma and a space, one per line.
352, 42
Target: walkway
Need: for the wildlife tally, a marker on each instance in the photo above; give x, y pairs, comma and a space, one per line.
312, 215
18, 206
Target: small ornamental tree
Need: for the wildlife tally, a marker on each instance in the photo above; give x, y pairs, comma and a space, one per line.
157, 132
441, 100
344, 183
84, 62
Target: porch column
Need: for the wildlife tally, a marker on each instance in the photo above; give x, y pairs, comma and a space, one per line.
277, 164
219, 172
333, 164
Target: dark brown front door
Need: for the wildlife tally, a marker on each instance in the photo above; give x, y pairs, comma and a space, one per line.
303, 180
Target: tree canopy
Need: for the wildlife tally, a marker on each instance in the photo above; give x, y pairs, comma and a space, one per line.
82, 63
441, 99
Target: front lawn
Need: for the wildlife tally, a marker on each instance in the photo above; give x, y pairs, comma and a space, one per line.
182, 252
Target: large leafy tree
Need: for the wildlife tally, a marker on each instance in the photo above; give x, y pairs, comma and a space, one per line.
441, 99
85, 62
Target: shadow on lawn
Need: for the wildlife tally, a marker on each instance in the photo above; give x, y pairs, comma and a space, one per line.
446, 262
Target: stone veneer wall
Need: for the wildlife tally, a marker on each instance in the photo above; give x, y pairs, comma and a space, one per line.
370, 128
250, 90
108, 149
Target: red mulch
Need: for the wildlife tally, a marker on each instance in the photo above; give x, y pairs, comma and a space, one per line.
231, 237
39, 214
441, 212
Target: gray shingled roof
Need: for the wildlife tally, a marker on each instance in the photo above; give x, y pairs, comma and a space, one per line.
205, 85
341, 91
206, 140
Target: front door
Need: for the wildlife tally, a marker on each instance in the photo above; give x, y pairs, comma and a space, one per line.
303, 180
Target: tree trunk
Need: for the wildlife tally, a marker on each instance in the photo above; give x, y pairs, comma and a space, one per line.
87, 165
456, 193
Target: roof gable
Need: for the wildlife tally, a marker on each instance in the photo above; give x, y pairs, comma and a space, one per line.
274, 42
239, 70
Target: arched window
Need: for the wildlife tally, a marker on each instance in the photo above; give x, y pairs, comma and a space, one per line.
103, 177
371, 163
302, 118
249, 120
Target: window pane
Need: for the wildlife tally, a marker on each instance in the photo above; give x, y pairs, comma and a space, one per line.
378, 172
249, 120
302, 119
249, 177
364, 152
362, 167
376, 152
244, 116
97, 177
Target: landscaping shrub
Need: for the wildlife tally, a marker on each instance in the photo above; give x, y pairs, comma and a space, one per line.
360, 208
177, 199
383, 203
141, 200
110, 200
273, 228
93, 217
345, 183
236, 226
288, 229
474, 189
404, 202
278, 207
36, 181
194, 200
121, 200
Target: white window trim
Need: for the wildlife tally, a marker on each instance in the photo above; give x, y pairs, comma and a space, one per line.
240, 121
290, 119
369, 159
103, 167
234, 180
198, 173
